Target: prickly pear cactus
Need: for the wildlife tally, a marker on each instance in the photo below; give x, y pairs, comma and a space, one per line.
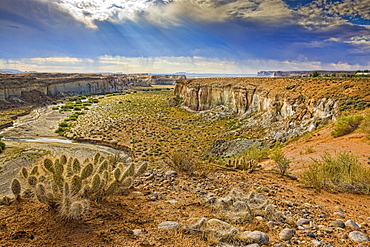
67, 185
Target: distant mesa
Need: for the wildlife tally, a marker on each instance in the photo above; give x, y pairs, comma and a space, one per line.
6, 71
312, 73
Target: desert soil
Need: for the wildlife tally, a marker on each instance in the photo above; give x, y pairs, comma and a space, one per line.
131, 218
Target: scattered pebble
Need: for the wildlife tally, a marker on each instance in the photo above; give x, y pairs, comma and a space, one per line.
338, 223
358, 237
340, 214
352, 224
303, 221
136, 232
286, 234
168, 225
310, 234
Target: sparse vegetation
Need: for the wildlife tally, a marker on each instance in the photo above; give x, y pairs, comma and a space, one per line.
346, 125
255, 153
181, 162
340, 173
282, 163
365, 125
2, 146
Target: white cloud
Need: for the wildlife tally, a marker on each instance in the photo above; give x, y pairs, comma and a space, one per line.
321, 13
168, 65
112, 10
48, 64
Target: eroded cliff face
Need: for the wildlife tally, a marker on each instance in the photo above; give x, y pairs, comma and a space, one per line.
13, 86
279, 112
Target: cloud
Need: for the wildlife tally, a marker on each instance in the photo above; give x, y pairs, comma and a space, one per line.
49, 64
323, 14
89, 11
317, 14
169, 65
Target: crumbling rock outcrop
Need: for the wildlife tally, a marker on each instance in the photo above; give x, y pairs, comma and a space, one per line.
281, 111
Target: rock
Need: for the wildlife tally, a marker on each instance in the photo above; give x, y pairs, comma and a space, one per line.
358, 237
303, 221
154, 197
289, 204
200, 191
172, 201
340, 214
136, 232
265, 189
286, 234
325, 228
279, 245
316, 242
171, 173
255, 237
253, 245
292, 177
338, 223
301, 228
168, 225
184, 187
344, 236
338, 208
352, 224
310, 234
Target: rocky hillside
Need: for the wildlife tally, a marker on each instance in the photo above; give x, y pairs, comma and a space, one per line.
282, 108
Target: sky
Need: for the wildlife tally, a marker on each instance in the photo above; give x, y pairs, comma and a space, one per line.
193, 36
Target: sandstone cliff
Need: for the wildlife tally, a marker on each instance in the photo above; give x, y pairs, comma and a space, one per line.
14, 86
280, 108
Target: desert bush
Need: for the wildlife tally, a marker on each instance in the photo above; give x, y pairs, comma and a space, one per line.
67, 185
365, 125
282, 163
346, 125
2, 146
340, 173
255, 153
181, 162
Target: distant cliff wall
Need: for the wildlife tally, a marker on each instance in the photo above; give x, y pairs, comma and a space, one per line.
13, 86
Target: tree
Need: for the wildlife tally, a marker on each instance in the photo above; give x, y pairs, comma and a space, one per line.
315, 74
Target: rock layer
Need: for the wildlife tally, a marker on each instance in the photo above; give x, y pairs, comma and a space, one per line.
269, 103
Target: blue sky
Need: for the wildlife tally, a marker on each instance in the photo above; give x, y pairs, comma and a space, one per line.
194, 36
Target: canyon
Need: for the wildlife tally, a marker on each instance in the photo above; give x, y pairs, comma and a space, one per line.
27, 87
280, 108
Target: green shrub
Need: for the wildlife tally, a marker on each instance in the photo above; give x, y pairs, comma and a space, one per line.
365, 125
63, 124
341, 173
346, 125
2, 146
282, 163
255, 153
